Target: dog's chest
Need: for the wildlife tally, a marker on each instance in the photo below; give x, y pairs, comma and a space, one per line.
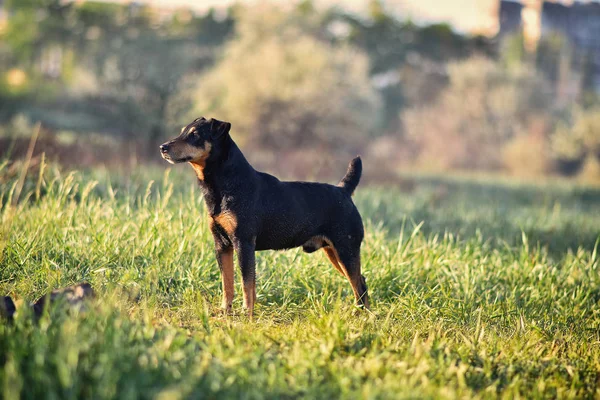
226, 220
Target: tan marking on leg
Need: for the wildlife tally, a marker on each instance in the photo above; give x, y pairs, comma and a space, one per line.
227, 221
249, 296
227, 279
353, 274
331, 254
355, 279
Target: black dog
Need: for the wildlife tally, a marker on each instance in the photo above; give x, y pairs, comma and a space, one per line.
251, 210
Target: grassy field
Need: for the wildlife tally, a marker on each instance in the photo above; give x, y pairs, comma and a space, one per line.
479, 289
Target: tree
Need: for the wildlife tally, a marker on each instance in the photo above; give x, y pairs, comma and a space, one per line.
483, 107
36, 24
577, 142
399, 47
284, 88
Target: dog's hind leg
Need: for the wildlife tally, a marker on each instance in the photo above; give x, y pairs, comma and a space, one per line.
349, 259
331, 254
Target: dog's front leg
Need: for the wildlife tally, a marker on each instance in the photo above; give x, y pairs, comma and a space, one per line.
245, 252
225, 261
224, 255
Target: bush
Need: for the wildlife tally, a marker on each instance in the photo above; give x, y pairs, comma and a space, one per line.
578, 142
526, 155
590, 169
283, 88
483, 108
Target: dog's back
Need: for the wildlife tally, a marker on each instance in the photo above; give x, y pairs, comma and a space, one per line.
291, 213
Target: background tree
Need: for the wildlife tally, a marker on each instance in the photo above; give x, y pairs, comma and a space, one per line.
576, 143
129, 68
402, 53
483, 108
287, 89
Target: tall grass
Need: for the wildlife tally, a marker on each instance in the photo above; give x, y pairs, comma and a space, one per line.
478, 289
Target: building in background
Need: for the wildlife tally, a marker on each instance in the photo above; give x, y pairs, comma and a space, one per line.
509, 17
572, 29
579, 22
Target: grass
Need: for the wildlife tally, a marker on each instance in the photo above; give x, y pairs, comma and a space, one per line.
478, 289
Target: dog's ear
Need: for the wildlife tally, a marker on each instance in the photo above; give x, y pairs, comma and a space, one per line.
200, 119
219, 128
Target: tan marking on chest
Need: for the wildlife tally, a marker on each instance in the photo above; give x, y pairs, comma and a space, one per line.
198, 169
199, 161
227, 221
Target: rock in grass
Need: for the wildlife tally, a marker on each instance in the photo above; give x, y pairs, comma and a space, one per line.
7, 308
74, 296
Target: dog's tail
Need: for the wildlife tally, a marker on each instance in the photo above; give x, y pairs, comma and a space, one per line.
350, 181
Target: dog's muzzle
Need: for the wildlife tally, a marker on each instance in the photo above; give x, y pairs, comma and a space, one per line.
164, 152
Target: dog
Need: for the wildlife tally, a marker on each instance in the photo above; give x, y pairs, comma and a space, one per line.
251, 211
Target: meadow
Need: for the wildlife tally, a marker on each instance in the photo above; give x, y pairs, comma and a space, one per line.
479, 289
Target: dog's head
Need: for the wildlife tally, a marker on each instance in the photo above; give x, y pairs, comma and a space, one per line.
195, 142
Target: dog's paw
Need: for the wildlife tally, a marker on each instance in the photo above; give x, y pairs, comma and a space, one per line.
225, 310
249, 312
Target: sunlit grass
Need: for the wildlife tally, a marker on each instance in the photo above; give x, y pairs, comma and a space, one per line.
478, 290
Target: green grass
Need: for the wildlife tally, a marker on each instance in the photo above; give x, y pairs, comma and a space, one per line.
478, 290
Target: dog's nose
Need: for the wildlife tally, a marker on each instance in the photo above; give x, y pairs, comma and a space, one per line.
164, 148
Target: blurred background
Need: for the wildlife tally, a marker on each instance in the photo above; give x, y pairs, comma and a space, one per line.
492, 86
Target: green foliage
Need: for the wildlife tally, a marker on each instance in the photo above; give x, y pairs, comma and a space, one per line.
483, 107
527, 155
513, 53
20, 34
126, 55
393, 44
34, 24
389, 41
493, 295
284, 88
104, 15
573, 143
144, 64
551, 51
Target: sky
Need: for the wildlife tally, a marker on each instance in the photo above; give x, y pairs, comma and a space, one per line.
479, 16
463, 15
474, 16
